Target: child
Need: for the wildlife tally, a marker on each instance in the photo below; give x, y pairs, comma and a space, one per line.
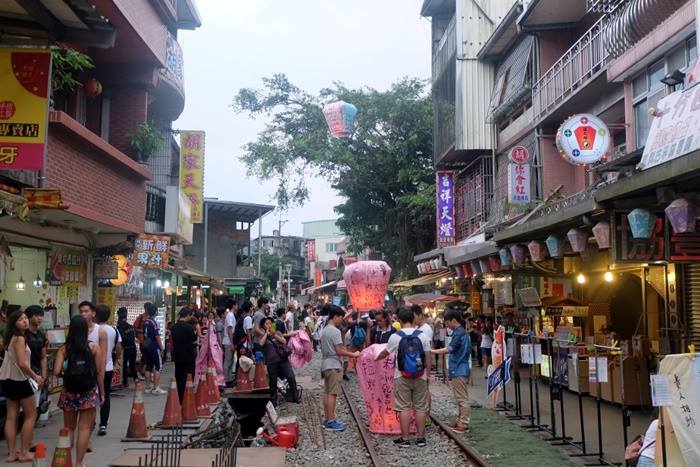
460, 355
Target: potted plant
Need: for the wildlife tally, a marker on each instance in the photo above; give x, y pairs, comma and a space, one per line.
66, 64
145, 141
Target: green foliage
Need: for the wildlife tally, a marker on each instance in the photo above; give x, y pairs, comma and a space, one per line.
269, 267
145, 140
65, 64
384, 171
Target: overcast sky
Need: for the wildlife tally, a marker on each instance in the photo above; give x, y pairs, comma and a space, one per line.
315, 42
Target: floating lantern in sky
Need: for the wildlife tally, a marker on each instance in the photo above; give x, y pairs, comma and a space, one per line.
340, 117
367, 282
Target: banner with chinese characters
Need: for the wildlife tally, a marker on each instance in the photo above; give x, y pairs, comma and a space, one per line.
68, 268
519, 183
192, 171
445, 214
24, 87
151, 251
311, 250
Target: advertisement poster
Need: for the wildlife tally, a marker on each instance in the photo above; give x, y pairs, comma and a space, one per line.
68, 267
107, 296
151, 251
24, 87
192, 171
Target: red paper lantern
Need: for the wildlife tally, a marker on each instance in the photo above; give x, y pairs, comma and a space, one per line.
601, 232
92, 88
495, 263
367, 282
538, 251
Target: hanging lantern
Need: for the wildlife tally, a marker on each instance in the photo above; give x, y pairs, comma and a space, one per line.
340, 117
458, 272
641, 223
518, 254
92, 88
367, 282
420, 268
484, 265
601, 232
555, 246
538, 251
495, 263
578, 239
476, 268
682, 215
506, 258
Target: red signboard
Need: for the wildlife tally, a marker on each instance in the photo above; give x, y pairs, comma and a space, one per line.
519, 155
311, 250
664, 245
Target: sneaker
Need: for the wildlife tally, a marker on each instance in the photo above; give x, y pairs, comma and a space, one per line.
102, 431
147, 391
159, 392
458, 428
402, 443
420, 442
333, 425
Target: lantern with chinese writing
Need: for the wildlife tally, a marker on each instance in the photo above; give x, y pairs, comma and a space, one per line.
641, 223
506, 258
538, 251
601, 232
682, 215
419, 266
518, 253
578, 239
340, 117
484, 265
495, 263
555, 246
367, 282
476, 268
468, 271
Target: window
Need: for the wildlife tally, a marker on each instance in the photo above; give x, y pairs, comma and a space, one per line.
648, 90
331, 247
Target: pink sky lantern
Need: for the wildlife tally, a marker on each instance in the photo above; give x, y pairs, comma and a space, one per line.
340, 117
601, 232
367, 282
518, 253
683, 215
376, 381
538, 251
495, 263
578, 240
484, 265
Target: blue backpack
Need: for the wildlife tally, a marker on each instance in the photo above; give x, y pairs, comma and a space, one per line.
359, 337
411, 356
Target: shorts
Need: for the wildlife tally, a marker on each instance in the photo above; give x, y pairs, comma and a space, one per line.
411, 393
152, 360
486, 352
73, 402
16, 390
331, 381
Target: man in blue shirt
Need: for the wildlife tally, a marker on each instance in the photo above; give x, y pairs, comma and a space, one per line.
458, 362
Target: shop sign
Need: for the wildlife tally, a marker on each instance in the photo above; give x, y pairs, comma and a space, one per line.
107, 296
151, 251
106, 269
664, 244
317, 278
519, 183
475, 299
174, 65
675, 128
24, 87
192, 171
311, 250
445, 208
68, 268
583, 139
519, 155
575, 311
178, 216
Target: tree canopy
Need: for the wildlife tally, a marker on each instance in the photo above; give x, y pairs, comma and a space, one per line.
384, 171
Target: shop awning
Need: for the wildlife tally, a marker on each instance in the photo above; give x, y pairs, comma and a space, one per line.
427, 255
202, 277
423, 280
472, 252
423, 299
314, 289
13, 205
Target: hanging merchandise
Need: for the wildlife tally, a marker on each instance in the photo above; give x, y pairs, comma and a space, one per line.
578, 240
340, 118
683, 215
601, 232
641, 222
495, 263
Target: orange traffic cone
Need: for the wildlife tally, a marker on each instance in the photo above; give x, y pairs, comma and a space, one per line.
62, 454
212, 389
172, 416
189, 411
242, 381
137, 430
260, 383
201, 398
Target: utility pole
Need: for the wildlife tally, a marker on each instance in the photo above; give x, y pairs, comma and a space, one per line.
280, 277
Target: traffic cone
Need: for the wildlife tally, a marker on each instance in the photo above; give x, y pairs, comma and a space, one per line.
137, 430
172, 416
189, 411
242, 382
260, 383
212, 389
201, 398
62, 454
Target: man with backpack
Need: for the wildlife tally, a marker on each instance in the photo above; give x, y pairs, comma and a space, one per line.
128, 335
410, 377
112, 355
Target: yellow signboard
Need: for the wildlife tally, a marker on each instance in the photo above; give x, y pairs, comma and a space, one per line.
192, 171
107, 296
24, 87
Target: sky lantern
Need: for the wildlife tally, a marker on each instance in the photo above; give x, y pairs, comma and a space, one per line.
555, 246
517, 252
367, 282
578, 239
601, 232
340, 117
506, 258
538, 251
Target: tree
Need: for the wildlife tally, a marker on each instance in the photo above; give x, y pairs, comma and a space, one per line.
384, 171
269, 267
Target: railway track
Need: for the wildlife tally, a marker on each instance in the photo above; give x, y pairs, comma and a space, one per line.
370, 441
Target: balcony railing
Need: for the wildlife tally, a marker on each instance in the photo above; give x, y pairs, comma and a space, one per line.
574, 69
444, 86
603, 6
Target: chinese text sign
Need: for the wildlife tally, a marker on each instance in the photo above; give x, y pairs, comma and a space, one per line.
192, 171
151, 251
445, 208
519, 183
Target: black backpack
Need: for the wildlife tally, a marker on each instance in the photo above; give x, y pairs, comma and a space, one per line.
239, 335
80, 375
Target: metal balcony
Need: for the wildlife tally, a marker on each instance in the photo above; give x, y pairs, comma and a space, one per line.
578, 66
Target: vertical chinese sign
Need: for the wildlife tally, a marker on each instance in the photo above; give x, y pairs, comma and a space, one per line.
311, 250
24, 87
445, 208
519, 183
192, 171
151, 251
